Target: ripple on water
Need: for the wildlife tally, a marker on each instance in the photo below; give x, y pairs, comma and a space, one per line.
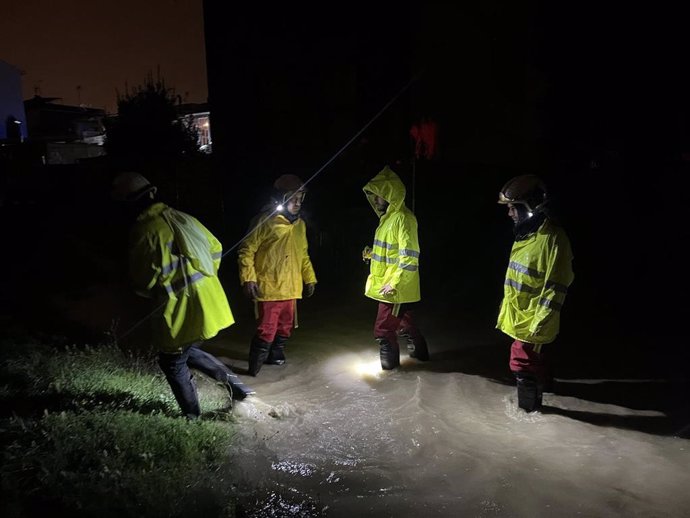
294, 468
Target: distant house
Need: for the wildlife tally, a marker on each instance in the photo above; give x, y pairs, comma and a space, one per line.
50, 121
200, 117
13, 126
68, 133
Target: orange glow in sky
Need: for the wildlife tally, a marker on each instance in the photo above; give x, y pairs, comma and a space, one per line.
85, 51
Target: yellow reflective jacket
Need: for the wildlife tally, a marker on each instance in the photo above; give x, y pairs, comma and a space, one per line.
193, 305
537, 279
275, 255
395, 253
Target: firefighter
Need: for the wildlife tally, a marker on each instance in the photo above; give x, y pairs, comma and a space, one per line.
537, 279
174, 261
275, 270
393, 279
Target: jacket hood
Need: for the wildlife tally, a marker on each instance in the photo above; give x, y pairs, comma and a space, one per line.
388, 186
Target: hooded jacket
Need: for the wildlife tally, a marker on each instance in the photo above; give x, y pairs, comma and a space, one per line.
537, 280
395, 254
193, 303
275, 256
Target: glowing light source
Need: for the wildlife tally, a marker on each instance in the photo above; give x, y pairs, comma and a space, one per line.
368, 369
279, 208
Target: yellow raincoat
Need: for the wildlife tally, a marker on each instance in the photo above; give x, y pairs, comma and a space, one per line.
537, 279
275, 256
395, 254
193, 304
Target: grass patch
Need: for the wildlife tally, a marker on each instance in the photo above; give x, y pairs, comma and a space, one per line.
94, 431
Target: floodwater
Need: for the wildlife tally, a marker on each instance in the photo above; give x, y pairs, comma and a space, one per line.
331, 434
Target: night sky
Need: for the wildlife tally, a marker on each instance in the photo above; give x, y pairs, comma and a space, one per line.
103, 46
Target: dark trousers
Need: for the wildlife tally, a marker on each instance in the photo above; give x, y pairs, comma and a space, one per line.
176, 366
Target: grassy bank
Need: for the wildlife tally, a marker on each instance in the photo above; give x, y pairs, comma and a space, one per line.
95, 431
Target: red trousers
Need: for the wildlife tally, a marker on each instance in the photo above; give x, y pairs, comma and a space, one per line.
388, 324
524, 358
276, 317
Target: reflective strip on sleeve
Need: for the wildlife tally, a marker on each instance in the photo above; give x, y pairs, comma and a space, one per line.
383, 244
409, 253
523, 288
551, 304
524, 269
381, 259
555, 286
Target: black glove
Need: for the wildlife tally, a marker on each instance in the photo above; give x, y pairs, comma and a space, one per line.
309, 289
251, 290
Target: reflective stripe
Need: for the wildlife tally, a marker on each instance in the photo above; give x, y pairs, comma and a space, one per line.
172, 266
557, 287
389, 260
383, 244
520, 287
551, 304
409, 253
170, 244
179, 285
524, 269
409, 267
176, 263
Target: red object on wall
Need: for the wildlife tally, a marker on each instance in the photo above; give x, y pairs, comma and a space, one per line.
425, 135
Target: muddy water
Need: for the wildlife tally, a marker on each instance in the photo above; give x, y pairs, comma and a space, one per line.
331, 434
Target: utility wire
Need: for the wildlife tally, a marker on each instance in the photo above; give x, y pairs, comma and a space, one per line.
311, 178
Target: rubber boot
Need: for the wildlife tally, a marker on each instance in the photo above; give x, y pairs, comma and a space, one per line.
258, 352
389, 353
416, 346
276, 355
237, 389
529, 392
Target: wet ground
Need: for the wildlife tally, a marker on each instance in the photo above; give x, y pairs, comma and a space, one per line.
331, 434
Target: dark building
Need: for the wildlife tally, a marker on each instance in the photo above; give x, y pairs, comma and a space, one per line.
12, 117
64, 134
51, 121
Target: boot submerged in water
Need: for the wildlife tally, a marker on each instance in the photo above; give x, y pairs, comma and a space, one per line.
416, 346
258, 353
389, 353
276, 354
237, 389
529, 392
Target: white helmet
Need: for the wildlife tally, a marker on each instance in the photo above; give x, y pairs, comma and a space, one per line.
131, 186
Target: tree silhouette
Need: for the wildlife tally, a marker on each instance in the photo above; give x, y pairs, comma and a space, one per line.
148, 128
